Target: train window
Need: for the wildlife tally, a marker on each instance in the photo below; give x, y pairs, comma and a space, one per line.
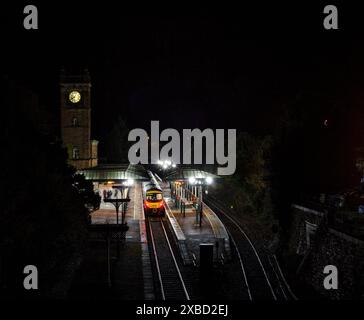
154, 197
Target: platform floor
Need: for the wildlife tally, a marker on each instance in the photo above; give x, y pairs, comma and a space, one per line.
195, 235
131, 275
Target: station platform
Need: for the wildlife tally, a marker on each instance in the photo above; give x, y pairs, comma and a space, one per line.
211, 231
131, 274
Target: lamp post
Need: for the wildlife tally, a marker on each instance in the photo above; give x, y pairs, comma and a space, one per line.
117, 202
109, 230
200, 191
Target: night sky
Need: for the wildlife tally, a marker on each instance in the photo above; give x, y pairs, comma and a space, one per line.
233, 67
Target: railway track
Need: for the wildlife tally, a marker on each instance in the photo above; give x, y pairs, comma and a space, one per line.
254, 267
169, 277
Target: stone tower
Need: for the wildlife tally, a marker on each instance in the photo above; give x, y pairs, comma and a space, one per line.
75, 99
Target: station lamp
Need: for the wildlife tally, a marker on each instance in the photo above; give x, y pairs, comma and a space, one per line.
166, 164
128, 182
192, 180
208, 180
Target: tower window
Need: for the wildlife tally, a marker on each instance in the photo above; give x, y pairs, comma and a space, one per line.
75, 153
74, 122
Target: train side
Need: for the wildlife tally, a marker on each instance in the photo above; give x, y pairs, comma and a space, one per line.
153, 197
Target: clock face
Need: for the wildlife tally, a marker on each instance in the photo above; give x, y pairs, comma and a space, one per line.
74, 96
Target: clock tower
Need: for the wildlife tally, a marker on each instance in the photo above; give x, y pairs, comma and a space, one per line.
76, 120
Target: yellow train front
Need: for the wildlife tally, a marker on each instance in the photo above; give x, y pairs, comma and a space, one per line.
153, 198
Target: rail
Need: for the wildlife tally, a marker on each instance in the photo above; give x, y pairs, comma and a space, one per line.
168, 270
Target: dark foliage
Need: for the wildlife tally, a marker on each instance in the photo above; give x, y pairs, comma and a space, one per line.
43, 217
248, 190
312, 153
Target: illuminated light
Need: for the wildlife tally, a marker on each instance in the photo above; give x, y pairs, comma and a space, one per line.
192, 180
152, 204
128, 182
326, 122
209, 180
110, 182
160, 162
168, 162
165, 166
173, 165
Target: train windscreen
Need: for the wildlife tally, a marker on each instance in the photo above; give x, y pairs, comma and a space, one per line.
154, 196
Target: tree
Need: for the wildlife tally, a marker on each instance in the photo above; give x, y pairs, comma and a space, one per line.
86, 191
43, 219
312, 153
248, 190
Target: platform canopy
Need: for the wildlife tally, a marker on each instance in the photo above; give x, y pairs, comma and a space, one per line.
115, 172
187, 173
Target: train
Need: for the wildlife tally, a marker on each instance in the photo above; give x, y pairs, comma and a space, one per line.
153, 197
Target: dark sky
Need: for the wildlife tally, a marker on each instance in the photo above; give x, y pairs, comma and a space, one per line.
189, 67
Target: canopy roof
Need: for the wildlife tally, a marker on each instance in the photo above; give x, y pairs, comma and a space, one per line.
187, 173
115, 172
